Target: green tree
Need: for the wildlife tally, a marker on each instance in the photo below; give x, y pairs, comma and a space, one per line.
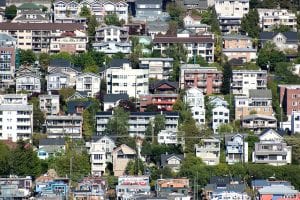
226, 81
118, 123
85, 12
250, 23
27, 56
135, 167
198, 60
178, 53
210, 17
4, 159
190, 133
159, 123
38, 115
118, 55
281, 28
298, 21
44, 60
112, 19
61, 55
151, 108
10, 12
92, 25
86, 62
176, 14
89, 126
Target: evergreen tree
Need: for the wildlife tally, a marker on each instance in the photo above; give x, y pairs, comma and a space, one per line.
227, 75
250, 23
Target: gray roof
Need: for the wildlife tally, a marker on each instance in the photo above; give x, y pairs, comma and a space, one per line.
60, 62
202, 4
160, 26
52, 141
148, 2
118, 62
292, 37
236, 36
6, 37
278, 189
164, 158
115, 97
260, 93
2, 3
258, 116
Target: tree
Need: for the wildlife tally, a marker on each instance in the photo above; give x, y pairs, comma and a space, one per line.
128, 105
250, 23
226, 81
92, 25
210, 17
198, 60
89, 126
38, 115
112, 20
4, 159
137, 52
86, 62
65, 93
61, 55
10, 12
176, 13
281, 28
118, 123
85, 12
135, 167
44, 60
178, 53
191, 132
298, 21
118, 55
159, 123
268, 56
151, 108
27, 56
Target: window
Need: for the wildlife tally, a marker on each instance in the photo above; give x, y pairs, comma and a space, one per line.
97, 156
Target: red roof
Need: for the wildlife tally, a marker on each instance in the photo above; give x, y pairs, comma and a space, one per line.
41, 26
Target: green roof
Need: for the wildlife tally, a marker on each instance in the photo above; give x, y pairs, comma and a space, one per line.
29, 6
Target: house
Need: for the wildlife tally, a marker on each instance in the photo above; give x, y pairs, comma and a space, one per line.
29, 83
295, 122
88, 82
48, 147
230, 14
195, 99
289, 98
279, 192
157, 27
50, 187
283, 41
260, 183
209, 151
8, 46
220, 115
159, 68
112, 100
129, 186
121, 78
244, 80
196, 4
208, 79
31, 16
138, 121
258, 102
164, 94
150, 10
258, 122
90, 187
63, 125
77, 96
225, 188
164, 187
216, 101
77, 106
169, 137
17, 117
16, 187
270, 135
236, 149
39, 37
49, 104
136, 28
196, 45
100, 154
121, 157
112, 39
236, 46
172, 161
145, 43
269, 19
57, 81
193, 22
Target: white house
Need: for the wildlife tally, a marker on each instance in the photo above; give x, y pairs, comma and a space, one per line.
168, 137
236, 149
209, 151
100, 153
16, 117
28, 82
57, 81
112, 100
216, 101
295, 122
121, 78
49, 104
195, 99
220, 116
88, 82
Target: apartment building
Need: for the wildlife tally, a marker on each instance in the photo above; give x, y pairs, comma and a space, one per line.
196, 45
16, 120
69, 11
236, 149
38, 36
150, 10
88, 82
209, 151
121, 78
28, 82
208, 79
271, 18
289, 98
130, 186
8, 59
258, 102
64, 126
220, 115
138, 121
195, 99
121, 156
159, 68
258, 122
49, 104
236, 46
245, 80
230, 14
112, 39
169, 187
164, 94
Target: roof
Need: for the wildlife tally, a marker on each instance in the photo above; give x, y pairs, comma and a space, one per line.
199, 3
72, 105
256, 116
125, 149
60, 62
236, 36
165, 157
157, 84
148, 2
143, 113
278, 189
292, 37
41, 26
253, 93
52, 141
28, 6
2, 3
115, 97
262, 182
190, 39
157, 26
118, 62
239, 50
6, 37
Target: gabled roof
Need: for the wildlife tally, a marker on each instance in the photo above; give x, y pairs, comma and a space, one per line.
157, 84
72, 105
165, 157
78, 95
118, 62
270, 131
115, 97
291, 37
28, 6
52, 141
125, 149
258, 116
88, 74
98, 138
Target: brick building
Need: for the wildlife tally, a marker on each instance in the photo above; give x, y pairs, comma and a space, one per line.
208, 79
289, 98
